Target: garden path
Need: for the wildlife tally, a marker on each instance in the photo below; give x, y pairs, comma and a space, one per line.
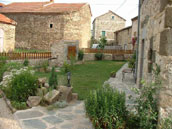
7, 120
71, 117
124, 86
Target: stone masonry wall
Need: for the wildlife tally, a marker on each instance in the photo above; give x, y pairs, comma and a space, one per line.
33, 31
156, 31
123, 38
134, 28
9, 36
107, 24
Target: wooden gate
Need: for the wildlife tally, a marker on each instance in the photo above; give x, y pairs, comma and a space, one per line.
71, 51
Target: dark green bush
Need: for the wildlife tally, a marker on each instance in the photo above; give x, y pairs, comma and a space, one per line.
66, 67
80, 55
22, 86
53, 82
99, 56
106, 108
19, 105
26, 62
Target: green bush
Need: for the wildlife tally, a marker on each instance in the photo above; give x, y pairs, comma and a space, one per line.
19, 105
102, 42
99, 56
132, 61
26, 62
53, 81
22, 86
106, 108
45, 65
80, 55
66, 67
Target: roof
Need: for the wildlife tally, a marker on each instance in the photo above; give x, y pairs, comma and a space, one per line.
41, 7
1, 4
4, 19
126, 28
110, 12
135, 18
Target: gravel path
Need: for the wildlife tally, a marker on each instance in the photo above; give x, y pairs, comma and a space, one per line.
7, 120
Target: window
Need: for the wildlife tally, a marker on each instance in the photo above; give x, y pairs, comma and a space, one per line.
113, 17
104, 33
51, 25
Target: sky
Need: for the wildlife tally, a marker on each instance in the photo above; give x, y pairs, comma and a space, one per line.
125, 8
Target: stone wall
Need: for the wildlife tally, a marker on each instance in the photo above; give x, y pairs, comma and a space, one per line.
59, 51
107, 24
33, 30
9, 36
134, 28
123, 38
155, 48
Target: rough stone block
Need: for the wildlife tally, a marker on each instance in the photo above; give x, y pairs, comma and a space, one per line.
165, 48
107, 57
33, 101
168, 18
165, 100
65, 93
118, 57
89, 56
52, 96
42, 80
74, 96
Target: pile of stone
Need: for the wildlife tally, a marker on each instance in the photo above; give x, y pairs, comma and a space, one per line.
61, 93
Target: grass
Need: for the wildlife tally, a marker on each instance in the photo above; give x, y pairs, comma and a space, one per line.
88, 76
29, 50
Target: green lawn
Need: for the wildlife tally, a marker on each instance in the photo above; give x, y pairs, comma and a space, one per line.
88, 76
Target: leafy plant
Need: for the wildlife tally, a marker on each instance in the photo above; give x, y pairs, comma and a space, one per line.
99, 56
53, 82
106, 108
21, 86
66, 67
80, 55
102, 42
26, 62
147, 103
19, 105
132, 61
45, 65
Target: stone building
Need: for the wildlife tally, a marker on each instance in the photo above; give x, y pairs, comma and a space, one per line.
155, 47
7, 34
40, 24
107, 24
123, 38
134, 32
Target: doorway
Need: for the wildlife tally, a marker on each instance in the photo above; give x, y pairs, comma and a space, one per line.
71, 51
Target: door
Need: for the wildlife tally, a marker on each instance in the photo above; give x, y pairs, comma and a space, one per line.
1, 40
71, 51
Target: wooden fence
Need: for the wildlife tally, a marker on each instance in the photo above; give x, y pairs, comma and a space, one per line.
23, 55
108, 51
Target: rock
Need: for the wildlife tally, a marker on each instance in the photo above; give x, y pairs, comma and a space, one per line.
66, 93
42, 80
74, 96
33, 101
44, 90
52, 96
46, 85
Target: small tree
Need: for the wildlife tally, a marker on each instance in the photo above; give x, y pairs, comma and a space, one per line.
53, 78
102, 42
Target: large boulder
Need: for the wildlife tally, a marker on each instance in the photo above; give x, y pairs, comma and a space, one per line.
66, 93
52, 96
34, 101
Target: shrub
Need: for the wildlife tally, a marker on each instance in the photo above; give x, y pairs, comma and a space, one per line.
99, 56
102, 42
80, 55
26, 62
19, 105
53, 82
22, 86
132, 61
45, 65
106, 108
66, 67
